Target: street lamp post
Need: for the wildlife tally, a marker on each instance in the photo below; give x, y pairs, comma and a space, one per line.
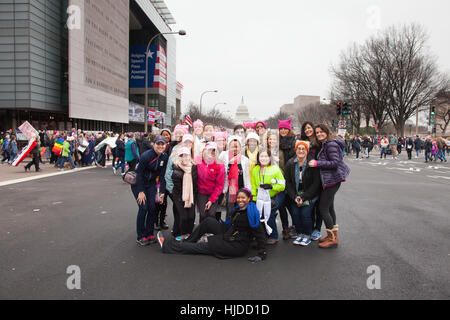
201, 98
147, 53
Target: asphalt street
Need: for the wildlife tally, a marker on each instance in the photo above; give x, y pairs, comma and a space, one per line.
392, 214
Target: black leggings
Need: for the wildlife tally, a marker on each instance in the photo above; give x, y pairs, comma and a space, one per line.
316, 217
186, 216
326, 206
190, 246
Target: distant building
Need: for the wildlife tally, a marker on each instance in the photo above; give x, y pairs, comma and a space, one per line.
300, 102
242, 114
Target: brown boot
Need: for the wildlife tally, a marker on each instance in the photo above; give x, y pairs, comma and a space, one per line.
336, 227
332, 240
286, 234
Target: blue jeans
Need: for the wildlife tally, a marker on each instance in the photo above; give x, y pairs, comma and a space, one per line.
12, 157
441, 155
67, 159
273, 224
303, 218
146, 217
121, 164
282, 206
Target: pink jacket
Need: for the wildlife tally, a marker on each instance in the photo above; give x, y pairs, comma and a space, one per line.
211, 180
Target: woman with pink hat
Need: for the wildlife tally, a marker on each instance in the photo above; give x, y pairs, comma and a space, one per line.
237, 171
211, 180
286, 152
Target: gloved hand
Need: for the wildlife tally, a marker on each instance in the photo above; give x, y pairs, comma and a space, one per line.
255, 259
266, 186
260, 257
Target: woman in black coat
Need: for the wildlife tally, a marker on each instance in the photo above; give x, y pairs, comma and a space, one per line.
303, 187
229, 240
185, 187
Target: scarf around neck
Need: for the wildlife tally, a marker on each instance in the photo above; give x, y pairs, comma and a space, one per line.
233, 176
188, 187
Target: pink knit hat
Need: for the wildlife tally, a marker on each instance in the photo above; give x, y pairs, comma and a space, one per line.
248, 125
263, 123
221, 135
199, 123
183, 129
286, 124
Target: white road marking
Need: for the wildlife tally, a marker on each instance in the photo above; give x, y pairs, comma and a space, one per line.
439, 177
10, 182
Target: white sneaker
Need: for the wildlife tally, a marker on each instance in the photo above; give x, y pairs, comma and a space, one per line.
298, 241
306, 241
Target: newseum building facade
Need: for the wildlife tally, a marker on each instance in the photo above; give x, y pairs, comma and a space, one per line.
81, 64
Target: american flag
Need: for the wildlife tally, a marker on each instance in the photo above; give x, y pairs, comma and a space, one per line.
188, 120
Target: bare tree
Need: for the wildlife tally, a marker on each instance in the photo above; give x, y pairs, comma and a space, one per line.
442, 104
412, 72
272, 122
390, 76
214, 116
317, 113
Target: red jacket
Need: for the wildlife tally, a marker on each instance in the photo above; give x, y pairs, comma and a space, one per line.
211, 180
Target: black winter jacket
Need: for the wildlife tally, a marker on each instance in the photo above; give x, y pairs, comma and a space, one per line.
236, 240
177, 178
311, 181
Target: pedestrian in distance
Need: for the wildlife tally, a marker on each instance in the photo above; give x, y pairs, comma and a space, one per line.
34, 157
13, 149
428, 145
393, 145
409, 147
418, 146
131, 152
67, 152
356, 144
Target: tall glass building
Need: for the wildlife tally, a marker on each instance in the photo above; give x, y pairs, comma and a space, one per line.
72, 63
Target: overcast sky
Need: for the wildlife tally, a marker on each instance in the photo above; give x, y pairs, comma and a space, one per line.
272, 51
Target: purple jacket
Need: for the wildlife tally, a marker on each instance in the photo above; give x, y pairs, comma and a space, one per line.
330, 161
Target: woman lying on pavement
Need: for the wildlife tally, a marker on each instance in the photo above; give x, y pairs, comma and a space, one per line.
229, 240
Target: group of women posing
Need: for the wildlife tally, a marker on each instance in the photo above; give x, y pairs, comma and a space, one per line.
250, 173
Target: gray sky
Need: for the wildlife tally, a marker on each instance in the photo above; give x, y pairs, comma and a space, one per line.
272, 51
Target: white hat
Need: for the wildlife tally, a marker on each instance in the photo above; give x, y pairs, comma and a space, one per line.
252, 135
188, 137
233, 138
211, 145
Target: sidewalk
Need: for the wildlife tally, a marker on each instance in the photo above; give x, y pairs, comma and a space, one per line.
11, 175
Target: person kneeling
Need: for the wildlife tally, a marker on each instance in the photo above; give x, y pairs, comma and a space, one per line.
229, 240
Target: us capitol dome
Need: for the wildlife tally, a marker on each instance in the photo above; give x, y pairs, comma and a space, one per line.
242, 114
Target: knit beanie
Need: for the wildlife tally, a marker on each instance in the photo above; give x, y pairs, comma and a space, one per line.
285, 124
306, 144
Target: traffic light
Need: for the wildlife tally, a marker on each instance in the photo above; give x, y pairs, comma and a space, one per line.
346, 109
339, 109
433, 111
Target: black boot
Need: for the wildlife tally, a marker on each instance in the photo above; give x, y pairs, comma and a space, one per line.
162, 223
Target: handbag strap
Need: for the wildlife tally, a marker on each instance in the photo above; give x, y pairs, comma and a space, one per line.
156, 159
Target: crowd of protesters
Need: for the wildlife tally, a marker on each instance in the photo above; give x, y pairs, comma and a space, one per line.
433, 149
